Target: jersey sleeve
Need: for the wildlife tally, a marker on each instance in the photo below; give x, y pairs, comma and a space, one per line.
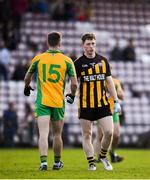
108, 71
77, 68
33, 65
70, 68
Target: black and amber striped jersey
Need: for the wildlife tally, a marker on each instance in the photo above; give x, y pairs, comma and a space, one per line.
92, 74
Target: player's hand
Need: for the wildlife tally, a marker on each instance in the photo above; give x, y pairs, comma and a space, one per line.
27, 90
117, 107
70, 98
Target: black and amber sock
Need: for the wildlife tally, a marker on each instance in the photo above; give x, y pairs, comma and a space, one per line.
90, 160
103, 153
43, 159
57, 159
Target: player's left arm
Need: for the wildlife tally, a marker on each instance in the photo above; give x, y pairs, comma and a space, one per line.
29, 75
110, 83
113, 93
27, 81
28, 78
111, 87
120, 91
31, 70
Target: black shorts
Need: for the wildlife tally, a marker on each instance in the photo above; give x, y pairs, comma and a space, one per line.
94, 114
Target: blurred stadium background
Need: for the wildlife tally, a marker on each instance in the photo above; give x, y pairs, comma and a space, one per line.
24, 25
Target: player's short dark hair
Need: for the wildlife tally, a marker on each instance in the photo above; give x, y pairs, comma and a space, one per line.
88, 36
54, 39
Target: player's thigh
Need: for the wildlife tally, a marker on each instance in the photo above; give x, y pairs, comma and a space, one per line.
86, 126
43, 124
106, 124
57, 116
42, 110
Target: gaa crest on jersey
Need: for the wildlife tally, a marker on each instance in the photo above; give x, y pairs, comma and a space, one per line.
92, 64
84, 65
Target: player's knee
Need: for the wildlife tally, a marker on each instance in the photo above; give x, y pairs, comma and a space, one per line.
108, 133
87, 136
116, 135
57, 136
99, 139
43, 136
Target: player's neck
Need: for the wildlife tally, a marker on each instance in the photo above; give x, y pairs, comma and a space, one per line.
90, 56
57, 48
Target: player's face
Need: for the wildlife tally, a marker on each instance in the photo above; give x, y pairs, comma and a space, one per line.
89, 46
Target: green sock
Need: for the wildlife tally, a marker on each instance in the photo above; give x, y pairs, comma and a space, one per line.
43, 159
57, 159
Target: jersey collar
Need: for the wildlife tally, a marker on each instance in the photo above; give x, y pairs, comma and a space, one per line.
90, 58
53, 51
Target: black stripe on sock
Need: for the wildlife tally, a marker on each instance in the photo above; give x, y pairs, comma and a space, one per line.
89, 158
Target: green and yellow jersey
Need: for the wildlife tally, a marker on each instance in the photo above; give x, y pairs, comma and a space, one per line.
52, 68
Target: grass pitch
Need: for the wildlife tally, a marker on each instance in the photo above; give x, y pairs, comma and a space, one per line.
24, 163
